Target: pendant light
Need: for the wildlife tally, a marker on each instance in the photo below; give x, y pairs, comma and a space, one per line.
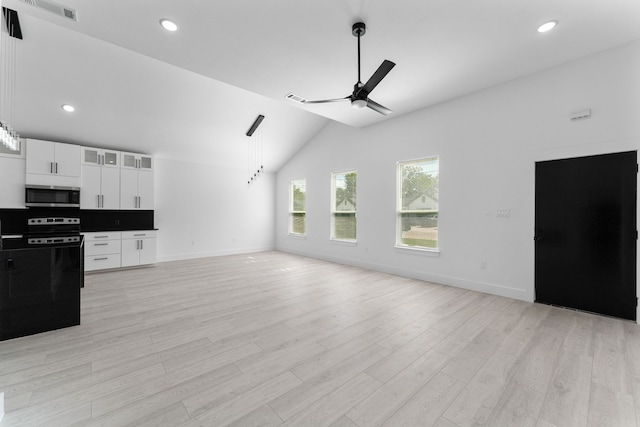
255, 166
8, 136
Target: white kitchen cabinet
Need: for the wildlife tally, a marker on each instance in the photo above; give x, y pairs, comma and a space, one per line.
137, 161
136, 181
102, 250
138, 247
100, 179
100, 157
12, 175
52, 163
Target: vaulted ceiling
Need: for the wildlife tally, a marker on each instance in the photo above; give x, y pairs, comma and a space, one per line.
192, 94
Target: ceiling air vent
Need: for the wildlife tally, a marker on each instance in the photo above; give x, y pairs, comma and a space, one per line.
295, 98
53, 7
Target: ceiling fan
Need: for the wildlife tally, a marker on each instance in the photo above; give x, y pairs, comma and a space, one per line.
360, 96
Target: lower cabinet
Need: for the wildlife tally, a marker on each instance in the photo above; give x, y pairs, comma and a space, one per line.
102, 250
115, 249
138, 247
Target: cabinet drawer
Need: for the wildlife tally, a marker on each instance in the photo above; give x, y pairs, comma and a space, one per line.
100, 262
99, 247
139, 234
111, 235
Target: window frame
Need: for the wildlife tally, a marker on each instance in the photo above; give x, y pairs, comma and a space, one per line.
335, 212
293, 212
400, 211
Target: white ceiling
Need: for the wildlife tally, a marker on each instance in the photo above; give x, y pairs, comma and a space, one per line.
193, 94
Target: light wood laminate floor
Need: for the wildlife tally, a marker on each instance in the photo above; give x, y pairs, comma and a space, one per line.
275, 339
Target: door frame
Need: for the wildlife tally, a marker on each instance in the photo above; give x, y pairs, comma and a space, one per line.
595, 149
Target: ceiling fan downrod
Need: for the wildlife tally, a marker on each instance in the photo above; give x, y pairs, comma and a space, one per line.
358, 29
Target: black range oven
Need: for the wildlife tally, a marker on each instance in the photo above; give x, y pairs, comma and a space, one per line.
41, 275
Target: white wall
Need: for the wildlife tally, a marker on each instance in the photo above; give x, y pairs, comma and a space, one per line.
488, 143
203, 210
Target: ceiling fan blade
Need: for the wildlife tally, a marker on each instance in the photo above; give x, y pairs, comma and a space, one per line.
379, 108
380, 73
326, 101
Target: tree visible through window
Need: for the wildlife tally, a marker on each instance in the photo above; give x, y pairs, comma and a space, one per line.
418, 203
343, 206
297, 212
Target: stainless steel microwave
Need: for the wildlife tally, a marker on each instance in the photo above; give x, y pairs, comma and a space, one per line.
51, 196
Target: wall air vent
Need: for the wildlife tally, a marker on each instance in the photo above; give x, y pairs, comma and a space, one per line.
53, 7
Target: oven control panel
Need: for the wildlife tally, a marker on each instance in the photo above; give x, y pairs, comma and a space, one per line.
53, 221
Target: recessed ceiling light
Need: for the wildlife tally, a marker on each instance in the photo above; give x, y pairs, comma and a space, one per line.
547, 26
68, 108
168, 25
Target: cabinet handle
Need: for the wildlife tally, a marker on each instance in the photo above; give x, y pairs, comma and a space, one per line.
137, 245
56, 168
100, 237
51, 167
100, 244
141, 244
98, 197
140, 235
100, 259
102, 200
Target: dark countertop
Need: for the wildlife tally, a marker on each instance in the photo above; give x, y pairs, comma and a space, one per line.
108, 230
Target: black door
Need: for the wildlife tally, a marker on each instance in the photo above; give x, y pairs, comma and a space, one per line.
585, 233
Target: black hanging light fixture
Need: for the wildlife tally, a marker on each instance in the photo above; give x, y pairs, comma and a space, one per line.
8, 136
255, 165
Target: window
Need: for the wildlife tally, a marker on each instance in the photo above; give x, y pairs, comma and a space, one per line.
417, 218
298, 193
343, 205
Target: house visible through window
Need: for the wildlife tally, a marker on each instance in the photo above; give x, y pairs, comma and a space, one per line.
417, 219
343, 206
297, 212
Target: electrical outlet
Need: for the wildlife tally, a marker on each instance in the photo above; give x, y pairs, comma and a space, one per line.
483, 265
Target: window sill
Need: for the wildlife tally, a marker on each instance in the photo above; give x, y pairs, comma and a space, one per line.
422, 251
344, 242
298, 236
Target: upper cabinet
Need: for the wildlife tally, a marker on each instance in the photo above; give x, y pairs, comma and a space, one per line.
137, 161
108, 179
100, 179
52, 163
100, 157
136, 181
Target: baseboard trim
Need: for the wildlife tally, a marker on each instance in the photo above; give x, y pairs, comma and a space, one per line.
490, 288
207, 254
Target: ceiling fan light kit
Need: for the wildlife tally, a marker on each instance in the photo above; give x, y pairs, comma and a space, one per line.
360, 96
359, 103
